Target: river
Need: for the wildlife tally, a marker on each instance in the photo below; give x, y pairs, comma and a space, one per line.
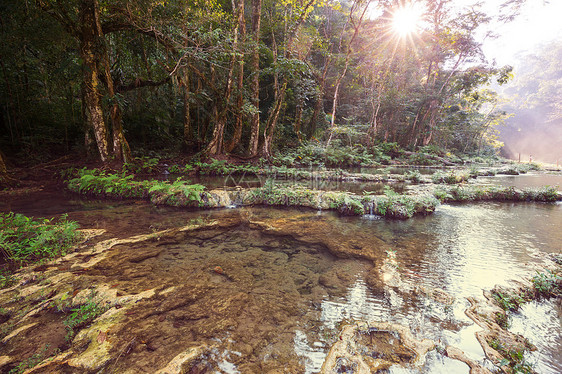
298, 292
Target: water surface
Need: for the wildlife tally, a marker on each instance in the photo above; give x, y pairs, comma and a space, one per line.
310, 291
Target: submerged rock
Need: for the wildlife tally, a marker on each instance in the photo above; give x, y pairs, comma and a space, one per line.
375, 347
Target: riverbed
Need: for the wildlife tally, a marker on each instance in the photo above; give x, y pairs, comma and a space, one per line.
269, 289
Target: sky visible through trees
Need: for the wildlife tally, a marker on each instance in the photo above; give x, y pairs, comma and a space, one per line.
254, 77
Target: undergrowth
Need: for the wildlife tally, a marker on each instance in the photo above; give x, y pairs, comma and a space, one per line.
512, 357
83, 315
121, 186
24, 240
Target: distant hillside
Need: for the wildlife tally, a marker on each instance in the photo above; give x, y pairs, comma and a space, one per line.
535, 100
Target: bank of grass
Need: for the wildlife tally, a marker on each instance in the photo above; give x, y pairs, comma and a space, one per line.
24, 240
468, 193
184, 194
99, 183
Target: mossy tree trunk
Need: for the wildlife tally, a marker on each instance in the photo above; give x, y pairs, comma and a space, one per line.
90, 73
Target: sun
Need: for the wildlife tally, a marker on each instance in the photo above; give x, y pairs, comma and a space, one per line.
406, 19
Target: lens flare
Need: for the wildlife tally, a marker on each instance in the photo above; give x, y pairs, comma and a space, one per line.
406, 19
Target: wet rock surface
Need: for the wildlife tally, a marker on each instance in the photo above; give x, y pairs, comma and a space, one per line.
232, 292
374, 348
229, 296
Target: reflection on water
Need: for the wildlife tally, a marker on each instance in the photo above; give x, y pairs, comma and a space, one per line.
461, 249
539, 322
359, 304
529, 180
313, 354
252, 181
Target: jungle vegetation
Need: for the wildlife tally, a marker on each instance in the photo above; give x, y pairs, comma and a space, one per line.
113, 79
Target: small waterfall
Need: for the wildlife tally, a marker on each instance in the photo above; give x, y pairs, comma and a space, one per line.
319, 203
370, 208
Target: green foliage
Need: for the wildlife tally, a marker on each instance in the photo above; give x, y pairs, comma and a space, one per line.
142, 164
83, 315
337, 155
545, 194
511, 170
508, 301
394, 205
221, 167
99, 183
495, 193
177, 169
513, 358
452, 177
349, 206
420, 158
192, 192
24, 240
271, 194
502, 319
413, 176
31, 361
63, 303
392, 149
6, 279
548, 283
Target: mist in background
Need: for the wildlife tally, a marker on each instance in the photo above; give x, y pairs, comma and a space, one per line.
527, 35
534, 97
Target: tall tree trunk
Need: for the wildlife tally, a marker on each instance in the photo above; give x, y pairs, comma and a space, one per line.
186, 111
240, 103
269, 130
280, 86
346, 65
3, 168
121, 150
298, 122
319, 100
216, 146
10, 106
90, 74
255, 83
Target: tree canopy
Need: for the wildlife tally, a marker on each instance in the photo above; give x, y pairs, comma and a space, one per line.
241, 77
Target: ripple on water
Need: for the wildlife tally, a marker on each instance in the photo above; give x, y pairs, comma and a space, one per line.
541, 323
359, 304
462, 249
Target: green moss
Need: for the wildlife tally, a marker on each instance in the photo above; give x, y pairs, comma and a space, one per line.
32, 360
348, 206
83, 315
502, 319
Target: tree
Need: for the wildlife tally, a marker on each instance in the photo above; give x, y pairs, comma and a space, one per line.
356, 25
255, 81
